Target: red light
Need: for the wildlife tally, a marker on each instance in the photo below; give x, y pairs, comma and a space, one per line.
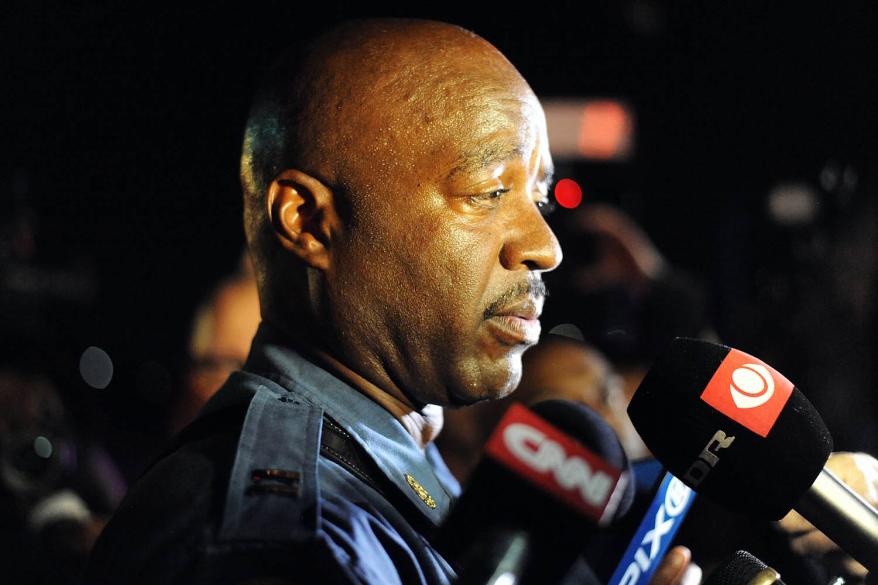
568, 193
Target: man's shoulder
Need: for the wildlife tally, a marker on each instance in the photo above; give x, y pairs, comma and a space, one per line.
255, 484
253, 438
217, 490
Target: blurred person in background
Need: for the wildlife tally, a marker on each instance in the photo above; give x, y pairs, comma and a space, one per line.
222, 331
813, 310
621, 293
567, 368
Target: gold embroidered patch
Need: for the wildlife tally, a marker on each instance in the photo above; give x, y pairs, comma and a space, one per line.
419, 489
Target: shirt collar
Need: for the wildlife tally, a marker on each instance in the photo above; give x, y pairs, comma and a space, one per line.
421, 477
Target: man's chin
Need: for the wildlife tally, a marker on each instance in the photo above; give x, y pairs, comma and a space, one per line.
482, 379
460, 402
461, 399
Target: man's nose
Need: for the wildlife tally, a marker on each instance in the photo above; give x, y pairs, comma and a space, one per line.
530, 241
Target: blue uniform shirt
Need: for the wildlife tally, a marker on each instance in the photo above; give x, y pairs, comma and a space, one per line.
254, 498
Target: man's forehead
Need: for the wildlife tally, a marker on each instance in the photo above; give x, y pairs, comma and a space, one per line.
464, 106
491, 139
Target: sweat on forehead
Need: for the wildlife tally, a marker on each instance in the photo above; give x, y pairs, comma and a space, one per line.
365, 81
393, 80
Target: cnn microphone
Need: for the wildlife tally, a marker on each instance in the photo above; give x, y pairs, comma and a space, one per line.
550, 477
734, 429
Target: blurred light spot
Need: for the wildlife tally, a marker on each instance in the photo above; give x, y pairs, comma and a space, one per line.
591, 129
568, 330
96, 367
793, 204
568, 193
605, 130
43, 447
506, 579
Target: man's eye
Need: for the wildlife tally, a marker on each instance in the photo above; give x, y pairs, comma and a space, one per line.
496, 194
487, 199
546, 206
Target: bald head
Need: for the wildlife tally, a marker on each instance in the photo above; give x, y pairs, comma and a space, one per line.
361, 102
326, 105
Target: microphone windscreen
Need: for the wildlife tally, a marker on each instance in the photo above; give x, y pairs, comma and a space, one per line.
731, 427
588, 428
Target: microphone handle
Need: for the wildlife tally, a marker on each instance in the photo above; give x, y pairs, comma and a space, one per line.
844, 516
503, 562
745, 569
766, 576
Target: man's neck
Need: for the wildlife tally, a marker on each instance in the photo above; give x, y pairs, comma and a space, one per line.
423, 425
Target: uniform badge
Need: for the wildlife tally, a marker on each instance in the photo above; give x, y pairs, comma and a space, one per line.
420, 490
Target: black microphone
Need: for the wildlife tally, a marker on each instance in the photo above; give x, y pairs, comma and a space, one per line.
737, 431
550, 477
744, 569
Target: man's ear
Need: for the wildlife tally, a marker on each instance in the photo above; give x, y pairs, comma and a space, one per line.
303, 217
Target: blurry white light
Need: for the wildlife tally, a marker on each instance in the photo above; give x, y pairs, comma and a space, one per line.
793, 204
96, 367
43, 447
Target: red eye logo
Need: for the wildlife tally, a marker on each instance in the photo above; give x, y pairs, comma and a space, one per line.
751, 386
748, 391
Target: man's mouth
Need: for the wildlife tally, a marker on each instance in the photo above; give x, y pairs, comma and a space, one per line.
519, 322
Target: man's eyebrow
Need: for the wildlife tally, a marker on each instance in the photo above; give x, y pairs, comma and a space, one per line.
484, 156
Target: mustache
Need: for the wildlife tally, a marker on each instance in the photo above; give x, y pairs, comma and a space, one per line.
532, 287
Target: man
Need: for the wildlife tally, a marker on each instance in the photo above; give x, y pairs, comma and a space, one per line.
393, 174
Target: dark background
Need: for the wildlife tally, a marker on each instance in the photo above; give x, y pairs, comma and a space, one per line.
121, 131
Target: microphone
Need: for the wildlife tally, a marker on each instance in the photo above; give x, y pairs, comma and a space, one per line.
653, 537
744, 569
737, 431
550, 477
